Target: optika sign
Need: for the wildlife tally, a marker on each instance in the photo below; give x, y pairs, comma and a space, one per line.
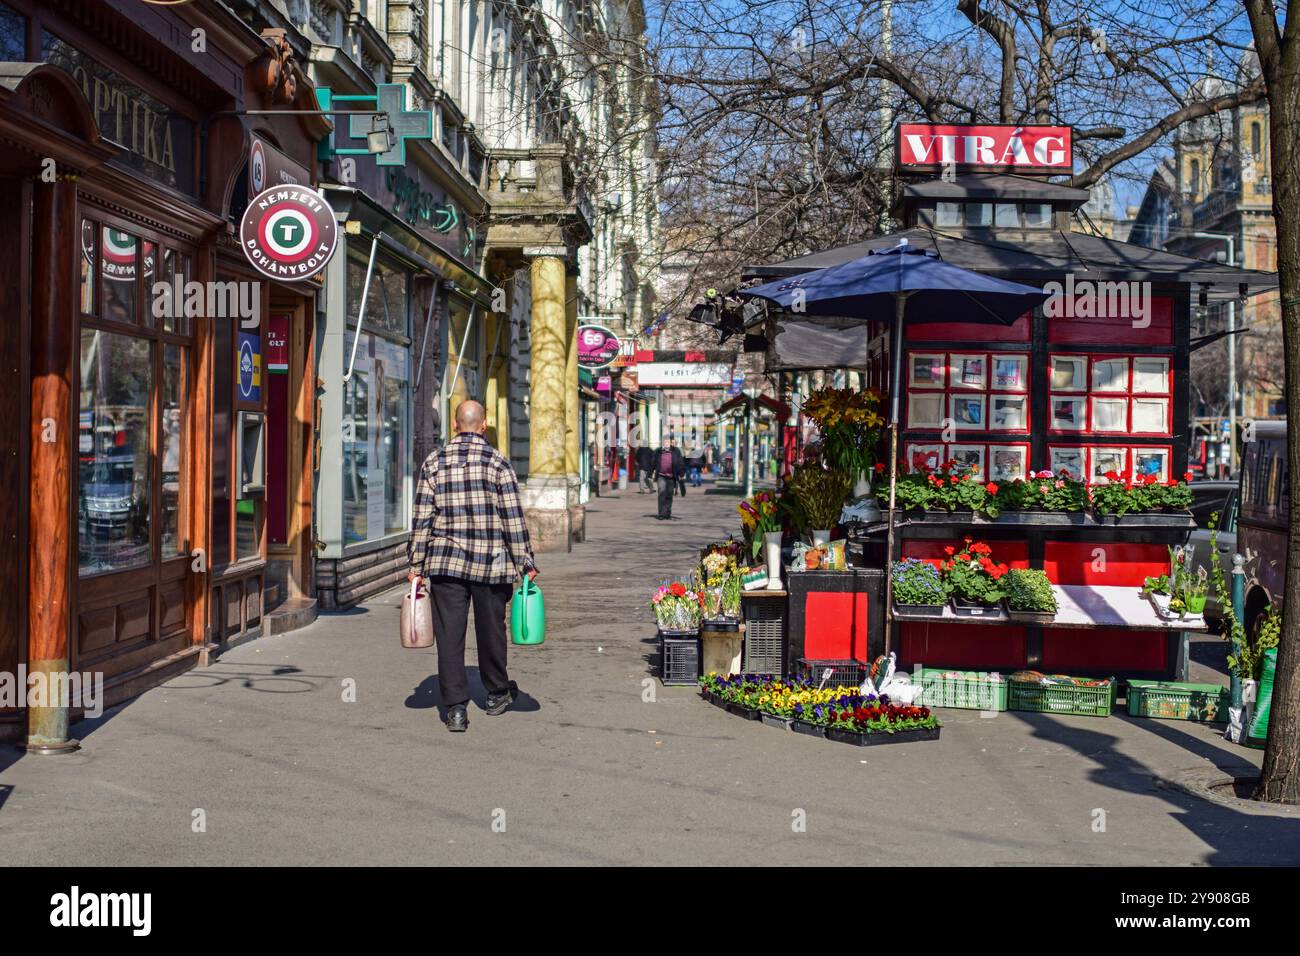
288, 233
1019, 147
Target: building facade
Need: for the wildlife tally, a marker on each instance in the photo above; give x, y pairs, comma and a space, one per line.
176, 478
1213, 198
136, 523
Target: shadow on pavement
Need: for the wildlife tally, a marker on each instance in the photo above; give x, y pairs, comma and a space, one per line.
1234, 837
427, 696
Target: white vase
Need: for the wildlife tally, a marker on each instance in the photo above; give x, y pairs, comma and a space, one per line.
772, 555
1249, 691
821, 539
862, 486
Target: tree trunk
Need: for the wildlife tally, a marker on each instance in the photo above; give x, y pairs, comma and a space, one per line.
1280, 779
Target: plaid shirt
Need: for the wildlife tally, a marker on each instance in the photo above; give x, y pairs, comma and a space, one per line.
468, 521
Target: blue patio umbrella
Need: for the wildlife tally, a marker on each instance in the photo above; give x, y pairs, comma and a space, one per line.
899, 285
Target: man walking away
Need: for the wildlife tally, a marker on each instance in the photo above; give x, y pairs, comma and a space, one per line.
670, 468
645, 463
695, 465
468, 542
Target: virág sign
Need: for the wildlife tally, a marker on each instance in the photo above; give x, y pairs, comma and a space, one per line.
985, 146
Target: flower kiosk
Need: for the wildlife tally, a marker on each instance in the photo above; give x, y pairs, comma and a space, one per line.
1041, 498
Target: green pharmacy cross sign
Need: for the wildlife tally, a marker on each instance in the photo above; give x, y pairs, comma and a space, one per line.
389, 98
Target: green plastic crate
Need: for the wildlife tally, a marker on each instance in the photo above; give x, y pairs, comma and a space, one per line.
964, 694
1174, 701
1062, 698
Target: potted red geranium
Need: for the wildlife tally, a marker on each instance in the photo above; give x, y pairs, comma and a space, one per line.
975, 580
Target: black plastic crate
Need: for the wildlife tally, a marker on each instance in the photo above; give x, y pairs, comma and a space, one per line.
846, 673
679, 659
764, 636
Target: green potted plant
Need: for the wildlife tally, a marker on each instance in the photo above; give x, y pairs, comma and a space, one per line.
1030, 597
918, 587
821, 493
974, 580
1156, 590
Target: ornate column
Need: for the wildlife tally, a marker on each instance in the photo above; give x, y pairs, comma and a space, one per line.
51, 572
546, 492
572, 419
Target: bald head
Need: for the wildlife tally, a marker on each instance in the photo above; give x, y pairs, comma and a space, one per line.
471, 417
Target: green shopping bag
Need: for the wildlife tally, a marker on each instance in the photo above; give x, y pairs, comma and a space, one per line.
1257, 733
528, 614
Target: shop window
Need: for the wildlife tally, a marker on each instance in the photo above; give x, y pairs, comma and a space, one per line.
172, 416
356, 448
972, 391
250, 456
133, 407
1036, 215
175, 266
947, 214
376, 460
386, 301
113, 447
1006, 215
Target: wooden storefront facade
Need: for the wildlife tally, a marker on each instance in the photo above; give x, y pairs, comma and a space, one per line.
129, 545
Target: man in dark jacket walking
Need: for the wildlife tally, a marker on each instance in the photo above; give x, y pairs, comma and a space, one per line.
645, 464
670, 468
469, 542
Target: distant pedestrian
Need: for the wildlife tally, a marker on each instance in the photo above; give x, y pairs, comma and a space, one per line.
645, 463
670, 468
695, 465
469, 542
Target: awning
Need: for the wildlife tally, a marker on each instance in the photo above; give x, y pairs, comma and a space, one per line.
780, 409
1047, 257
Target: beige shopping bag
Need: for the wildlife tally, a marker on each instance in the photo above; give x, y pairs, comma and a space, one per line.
417, 617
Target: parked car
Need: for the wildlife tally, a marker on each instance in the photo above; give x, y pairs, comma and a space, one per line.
1208, 499
1263, 515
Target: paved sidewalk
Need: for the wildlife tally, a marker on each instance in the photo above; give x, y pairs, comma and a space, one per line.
585, 771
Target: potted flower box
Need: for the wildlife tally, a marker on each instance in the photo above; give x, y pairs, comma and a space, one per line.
918, 588
882, 736
776, 720
964, 607
807, 727
740, 710
975, 581
1030, 599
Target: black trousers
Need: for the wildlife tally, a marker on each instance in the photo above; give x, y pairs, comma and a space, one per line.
667, 488
451, 599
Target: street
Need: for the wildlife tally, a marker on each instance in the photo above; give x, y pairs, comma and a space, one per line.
261, 759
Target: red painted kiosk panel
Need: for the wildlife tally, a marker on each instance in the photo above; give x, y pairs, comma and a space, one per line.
942, 644
835, 626
1148, 322
1104, 649
1012, 553
1124, 563
970, 331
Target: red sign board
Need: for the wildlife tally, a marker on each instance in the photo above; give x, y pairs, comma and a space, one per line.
985, 147
277, 343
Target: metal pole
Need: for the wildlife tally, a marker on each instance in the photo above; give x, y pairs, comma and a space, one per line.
895, 379
1232, 383
361, 312
749, 449
1239, 612
464, 341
